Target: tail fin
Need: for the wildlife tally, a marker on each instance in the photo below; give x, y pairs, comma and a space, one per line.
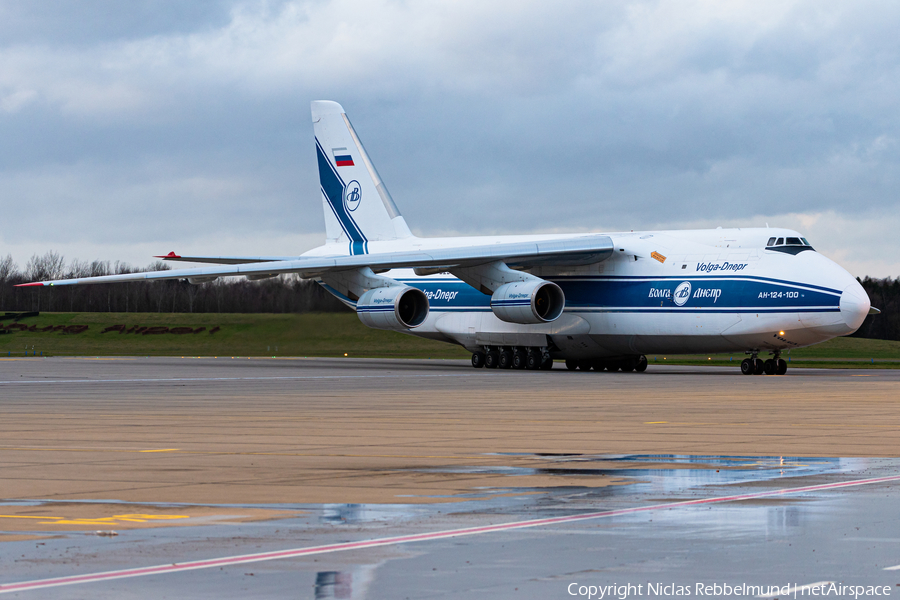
358, 207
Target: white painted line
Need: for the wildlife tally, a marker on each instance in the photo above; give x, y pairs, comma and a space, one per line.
793, 591
183, 379
421, 537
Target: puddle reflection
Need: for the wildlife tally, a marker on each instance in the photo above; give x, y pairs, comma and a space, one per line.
700, 470
344, 585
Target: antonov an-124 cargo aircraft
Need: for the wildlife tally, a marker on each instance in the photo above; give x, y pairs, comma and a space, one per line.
599, 301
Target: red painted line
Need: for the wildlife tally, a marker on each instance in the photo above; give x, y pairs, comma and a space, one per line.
421, 537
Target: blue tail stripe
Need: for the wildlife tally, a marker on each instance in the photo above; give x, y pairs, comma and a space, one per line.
333, 188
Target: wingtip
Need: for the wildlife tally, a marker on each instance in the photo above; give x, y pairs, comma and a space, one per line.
29, 284
169, 255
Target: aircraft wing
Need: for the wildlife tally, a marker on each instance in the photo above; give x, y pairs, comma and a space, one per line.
224, 260
563, 251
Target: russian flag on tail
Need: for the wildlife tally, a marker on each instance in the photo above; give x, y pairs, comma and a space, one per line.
342, 157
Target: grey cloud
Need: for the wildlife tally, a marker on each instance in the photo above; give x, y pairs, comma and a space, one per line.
481, 117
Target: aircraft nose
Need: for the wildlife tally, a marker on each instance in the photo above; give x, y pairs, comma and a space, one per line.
854, 305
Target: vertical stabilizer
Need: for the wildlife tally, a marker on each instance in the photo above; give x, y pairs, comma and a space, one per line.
358, 207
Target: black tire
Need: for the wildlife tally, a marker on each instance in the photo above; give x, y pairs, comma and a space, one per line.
747, 366
781, 369
546, 363
478, 359
533, 361
759, 367
519, 359
770, 367
641, 365
571, 365
492, 359
506, 360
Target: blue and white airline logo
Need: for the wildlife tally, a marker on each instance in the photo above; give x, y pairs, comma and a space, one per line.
352, 195
682, 293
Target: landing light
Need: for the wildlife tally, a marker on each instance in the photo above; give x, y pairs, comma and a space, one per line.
780, 333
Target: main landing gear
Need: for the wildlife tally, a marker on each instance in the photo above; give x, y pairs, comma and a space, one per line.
757, 366
626, 365
513, 357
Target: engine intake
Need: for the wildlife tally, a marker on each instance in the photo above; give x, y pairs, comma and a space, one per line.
528, 302
396, 308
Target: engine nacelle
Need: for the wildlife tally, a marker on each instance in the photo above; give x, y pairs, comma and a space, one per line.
396, 307
528, 302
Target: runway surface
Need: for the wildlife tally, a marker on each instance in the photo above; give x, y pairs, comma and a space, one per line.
713, 477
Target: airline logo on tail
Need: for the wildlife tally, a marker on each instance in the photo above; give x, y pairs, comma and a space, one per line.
352, 195
342, 157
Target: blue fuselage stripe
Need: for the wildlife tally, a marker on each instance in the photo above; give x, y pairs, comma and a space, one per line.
648, 295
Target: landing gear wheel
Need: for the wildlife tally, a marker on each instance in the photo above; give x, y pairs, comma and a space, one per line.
769, 367
759, 367
546, 363
781, 369
492, 359
571, 365
747, 366
519, 358
506, 359
478, 359
533, 361
641, 365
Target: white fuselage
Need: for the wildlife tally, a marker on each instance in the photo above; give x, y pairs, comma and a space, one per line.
699, 291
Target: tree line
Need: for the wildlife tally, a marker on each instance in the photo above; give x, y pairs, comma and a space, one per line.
884, 294
282, 294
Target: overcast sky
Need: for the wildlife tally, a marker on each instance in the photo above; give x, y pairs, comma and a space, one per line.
129, 129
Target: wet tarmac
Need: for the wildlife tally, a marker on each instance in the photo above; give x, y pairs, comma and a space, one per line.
846, 535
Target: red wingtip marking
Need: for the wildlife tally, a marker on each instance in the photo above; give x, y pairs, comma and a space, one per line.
169, 255
29, 284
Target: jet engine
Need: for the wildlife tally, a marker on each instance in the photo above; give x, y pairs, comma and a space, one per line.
528, 302
396, 308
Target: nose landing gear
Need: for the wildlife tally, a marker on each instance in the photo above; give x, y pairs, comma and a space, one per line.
757, 366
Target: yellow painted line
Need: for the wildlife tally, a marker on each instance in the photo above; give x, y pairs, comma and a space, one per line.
151, 517
114, 520
78, 522
162, 450
655, 422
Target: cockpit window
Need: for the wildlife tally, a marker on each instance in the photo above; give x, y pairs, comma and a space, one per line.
791, 245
